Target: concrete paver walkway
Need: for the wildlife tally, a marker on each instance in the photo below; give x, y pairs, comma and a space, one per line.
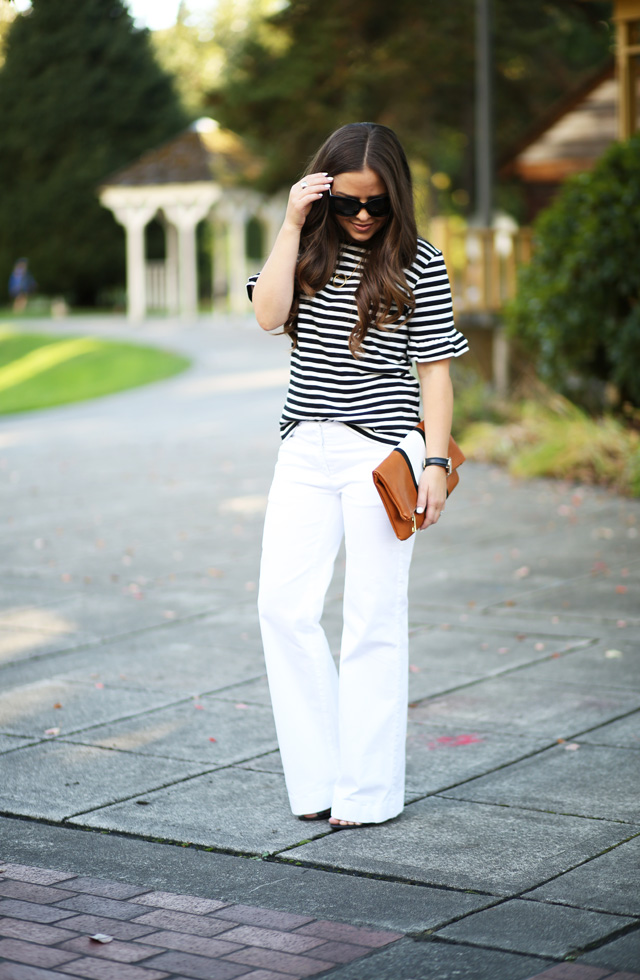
134, 712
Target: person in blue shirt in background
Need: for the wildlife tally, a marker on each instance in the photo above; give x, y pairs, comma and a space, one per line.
21, 284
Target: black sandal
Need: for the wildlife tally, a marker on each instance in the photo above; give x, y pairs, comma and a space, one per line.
318, 816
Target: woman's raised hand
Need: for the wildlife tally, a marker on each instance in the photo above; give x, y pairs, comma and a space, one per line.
273, 292
303, 194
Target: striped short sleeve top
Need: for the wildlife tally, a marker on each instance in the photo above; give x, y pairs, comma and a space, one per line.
374, 392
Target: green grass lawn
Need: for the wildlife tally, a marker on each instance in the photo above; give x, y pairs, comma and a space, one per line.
41, 370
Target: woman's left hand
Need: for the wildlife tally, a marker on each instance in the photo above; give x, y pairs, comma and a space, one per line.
432, 494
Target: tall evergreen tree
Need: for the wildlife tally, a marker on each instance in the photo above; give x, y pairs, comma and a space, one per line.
80, 96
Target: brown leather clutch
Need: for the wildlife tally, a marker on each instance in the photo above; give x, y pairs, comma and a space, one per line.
397, 476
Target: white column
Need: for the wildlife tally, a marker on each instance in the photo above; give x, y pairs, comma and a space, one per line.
135, 220
185, 217
136, 275
171, 264
237, 261
219, 279
188, 272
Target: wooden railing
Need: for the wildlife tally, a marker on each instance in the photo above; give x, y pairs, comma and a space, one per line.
482, 262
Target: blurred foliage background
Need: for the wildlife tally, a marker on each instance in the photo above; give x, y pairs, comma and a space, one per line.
316, 64
83, 92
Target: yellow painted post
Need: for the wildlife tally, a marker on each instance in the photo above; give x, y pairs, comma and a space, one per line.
627, 18
511, 271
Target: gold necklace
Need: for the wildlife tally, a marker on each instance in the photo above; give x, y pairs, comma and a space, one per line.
345, 279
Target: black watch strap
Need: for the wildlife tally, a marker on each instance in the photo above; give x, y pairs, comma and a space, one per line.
443, 461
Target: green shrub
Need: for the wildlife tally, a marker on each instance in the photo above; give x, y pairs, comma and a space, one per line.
557, 439
577, 311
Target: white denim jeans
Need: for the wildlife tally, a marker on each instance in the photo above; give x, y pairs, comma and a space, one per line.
341, 736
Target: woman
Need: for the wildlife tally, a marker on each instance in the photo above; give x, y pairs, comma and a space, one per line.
361, 297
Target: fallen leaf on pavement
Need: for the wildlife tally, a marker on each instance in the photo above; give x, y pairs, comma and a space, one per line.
602, 532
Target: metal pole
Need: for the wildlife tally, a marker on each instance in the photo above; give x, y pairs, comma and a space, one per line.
484, 114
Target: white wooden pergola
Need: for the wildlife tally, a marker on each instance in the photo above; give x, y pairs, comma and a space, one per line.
201, 174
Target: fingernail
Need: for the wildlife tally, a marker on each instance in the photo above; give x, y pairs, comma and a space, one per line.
419, 510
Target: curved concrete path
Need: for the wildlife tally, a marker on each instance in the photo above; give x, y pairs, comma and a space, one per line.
134, 713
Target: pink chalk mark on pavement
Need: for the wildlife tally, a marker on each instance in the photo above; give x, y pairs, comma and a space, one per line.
453, 741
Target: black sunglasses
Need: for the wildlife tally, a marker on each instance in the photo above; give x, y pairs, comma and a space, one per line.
348, 207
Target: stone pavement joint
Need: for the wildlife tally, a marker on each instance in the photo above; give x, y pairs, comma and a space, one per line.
293, 946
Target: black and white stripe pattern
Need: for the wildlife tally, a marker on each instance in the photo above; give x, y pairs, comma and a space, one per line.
374, 392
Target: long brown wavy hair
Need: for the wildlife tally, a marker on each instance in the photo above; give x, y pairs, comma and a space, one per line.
383, 295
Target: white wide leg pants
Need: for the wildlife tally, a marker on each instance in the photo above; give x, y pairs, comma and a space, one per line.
341, 736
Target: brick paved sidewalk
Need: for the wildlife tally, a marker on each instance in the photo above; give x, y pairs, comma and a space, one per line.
577, 971
47, 919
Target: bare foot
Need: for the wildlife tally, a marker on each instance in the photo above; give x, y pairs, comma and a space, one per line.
335, 822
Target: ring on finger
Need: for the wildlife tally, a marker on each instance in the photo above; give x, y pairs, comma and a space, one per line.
304, 185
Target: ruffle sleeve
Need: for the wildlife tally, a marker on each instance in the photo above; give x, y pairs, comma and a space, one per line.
433, 335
